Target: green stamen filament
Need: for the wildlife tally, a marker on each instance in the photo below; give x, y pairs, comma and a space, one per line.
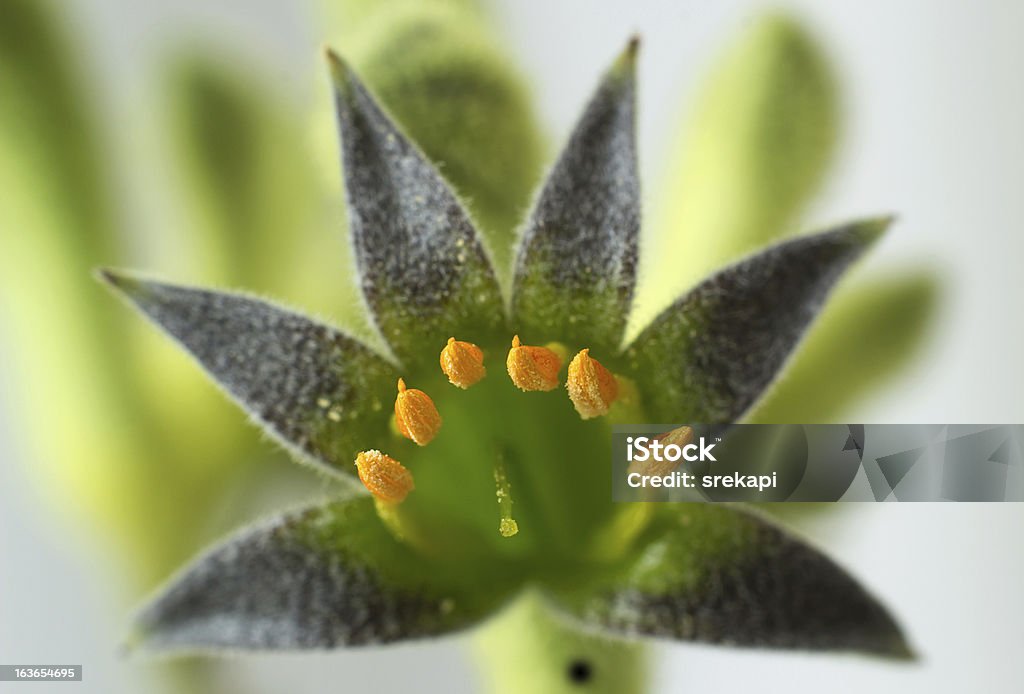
507, 526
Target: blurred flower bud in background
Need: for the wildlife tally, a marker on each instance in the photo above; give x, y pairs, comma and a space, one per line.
744, 167
438, 68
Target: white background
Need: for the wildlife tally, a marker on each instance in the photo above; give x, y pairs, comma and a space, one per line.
935, 106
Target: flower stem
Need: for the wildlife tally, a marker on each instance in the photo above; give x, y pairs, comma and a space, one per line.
527, 648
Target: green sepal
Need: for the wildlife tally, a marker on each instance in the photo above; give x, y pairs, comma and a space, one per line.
423, 268
439, 69
710, 355
718, 574
873, 332
320, 393
576, 266
327, 576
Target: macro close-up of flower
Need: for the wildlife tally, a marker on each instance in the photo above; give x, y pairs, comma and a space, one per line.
339, 340
481, 433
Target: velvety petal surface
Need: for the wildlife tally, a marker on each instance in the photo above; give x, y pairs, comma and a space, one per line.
324, 577
319, 392
889, 321
576, 266
712, 353
423, 269
718, 574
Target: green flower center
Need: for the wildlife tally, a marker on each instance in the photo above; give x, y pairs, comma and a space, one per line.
506, 460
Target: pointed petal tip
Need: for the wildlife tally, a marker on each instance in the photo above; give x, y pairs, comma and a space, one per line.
334, 60
895, 649
870, 230
106, 275
889, 641
115, 279
341, 72
625, 64
131, 644
632, 47
902, 652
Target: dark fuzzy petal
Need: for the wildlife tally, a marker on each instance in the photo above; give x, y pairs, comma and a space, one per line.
317, 391
326, 577
711, 354
423, 268
576, 267
716, 574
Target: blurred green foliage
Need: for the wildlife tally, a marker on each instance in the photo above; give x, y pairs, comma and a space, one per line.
744, 167
75, 352
241, 164
437, 68
876, 329
755, 149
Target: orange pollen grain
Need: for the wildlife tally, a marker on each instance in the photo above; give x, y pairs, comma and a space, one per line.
415, 414
533, 368
386, 478
592, 388
462, 363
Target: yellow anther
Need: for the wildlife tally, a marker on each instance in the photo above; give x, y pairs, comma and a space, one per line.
592, 388
386, 478
415, 415
533, 368
462, 363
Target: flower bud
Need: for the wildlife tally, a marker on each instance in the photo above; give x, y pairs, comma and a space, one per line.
756, 149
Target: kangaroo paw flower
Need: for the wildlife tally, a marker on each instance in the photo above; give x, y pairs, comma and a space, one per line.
399, 566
